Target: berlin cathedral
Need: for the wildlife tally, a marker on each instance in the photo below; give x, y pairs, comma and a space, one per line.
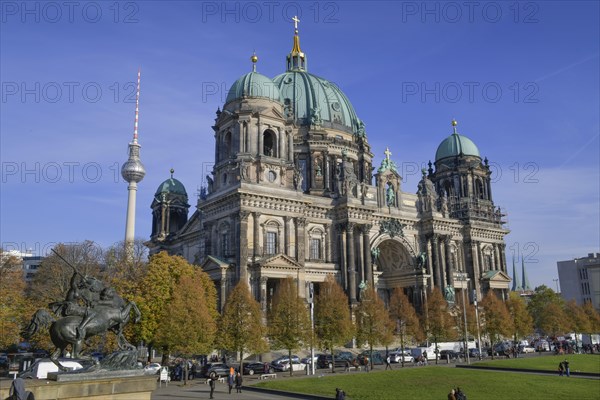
294, 191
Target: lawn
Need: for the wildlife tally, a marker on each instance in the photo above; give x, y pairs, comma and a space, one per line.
577, 362
434, 383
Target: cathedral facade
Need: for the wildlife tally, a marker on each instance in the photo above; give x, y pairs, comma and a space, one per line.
295, 192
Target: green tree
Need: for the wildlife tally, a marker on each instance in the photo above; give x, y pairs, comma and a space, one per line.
14, 307
289, 320
373, 323
188, 327
403, 313
333, 323
553, 320
156, 296
496, 319
538, 307
522, 322
439, 322
241, 326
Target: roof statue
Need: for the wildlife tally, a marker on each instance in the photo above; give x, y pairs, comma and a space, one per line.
387, 163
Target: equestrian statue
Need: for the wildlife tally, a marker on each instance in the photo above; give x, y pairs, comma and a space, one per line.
90, 308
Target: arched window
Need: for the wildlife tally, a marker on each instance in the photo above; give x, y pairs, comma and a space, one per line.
269, 143
226, 146
479, 189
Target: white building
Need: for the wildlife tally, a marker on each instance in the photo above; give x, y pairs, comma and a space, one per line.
580, 279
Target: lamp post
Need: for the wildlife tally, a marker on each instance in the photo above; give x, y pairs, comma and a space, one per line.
463, 278
477, 319
312, 328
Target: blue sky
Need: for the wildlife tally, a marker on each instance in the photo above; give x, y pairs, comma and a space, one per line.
521, 78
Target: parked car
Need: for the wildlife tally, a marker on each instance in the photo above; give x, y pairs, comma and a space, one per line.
449, 354
365, 357
42, 366
397, 356
474, 352
215, 369
285, 358
151, 368
527, 349
257, 368
327, 360
307, 361
285, 366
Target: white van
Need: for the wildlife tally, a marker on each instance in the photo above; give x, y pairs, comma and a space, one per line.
41, 367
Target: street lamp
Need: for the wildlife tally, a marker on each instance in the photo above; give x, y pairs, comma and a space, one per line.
477, 319
461, 276
311, 293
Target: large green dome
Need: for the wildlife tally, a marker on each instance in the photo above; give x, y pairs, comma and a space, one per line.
253, 84
306, 93
455, 145
171, 186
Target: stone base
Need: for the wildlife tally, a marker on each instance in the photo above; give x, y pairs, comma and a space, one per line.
98, 388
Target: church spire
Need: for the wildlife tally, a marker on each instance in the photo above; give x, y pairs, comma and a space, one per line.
526, 285
516, 287
296, 60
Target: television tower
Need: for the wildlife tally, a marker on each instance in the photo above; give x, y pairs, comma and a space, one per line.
133, 172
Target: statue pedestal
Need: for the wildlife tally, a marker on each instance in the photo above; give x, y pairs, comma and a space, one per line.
86, 386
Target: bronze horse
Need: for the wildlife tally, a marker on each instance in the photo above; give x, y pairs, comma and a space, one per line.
64, 331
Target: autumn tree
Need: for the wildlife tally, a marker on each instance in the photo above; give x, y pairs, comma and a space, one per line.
439, 323
14, 307
496, 319
289, 320
333, 324
522, 322
188, 327
578, 321
373, 323
553, 320
593, 316
52, 279
403, 313
241, 326
157, 292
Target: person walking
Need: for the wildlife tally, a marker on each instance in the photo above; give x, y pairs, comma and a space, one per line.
451, 395
238, 382
212, 383
560, 369
230, 381
387, 363
567, 369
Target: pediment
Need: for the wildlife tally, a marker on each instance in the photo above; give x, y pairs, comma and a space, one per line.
212, 263
496, 276
280, 261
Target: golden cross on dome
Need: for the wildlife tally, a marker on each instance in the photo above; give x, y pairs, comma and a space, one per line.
296, 20
387, 153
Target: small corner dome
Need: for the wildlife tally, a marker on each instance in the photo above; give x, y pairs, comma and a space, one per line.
253, 84
171, 186
455, 145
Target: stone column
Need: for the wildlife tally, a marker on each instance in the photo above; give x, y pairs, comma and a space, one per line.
442, 256
429, 263
367, 254
351, 260
300, 227
327, 255
502, 248
496, 257
256, 233
341, 229
286, 235
223, 288
260, 138
263, 293
281, 150
242, 235
436, 257
449, 264
326, 169
476, 268
290, 142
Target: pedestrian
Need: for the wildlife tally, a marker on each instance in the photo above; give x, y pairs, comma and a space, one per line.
347, 369
387, 363
230, 381
567, 369
560, 369
451, 395
340, 394
238, 382
459, 394
212, 383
